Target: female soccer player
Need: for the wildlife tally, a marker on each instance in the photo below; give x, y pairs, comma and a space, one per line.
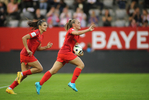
66, 55
32, 42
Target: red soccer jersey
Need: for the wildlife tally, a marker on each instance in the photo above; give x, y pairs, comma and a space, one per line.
69, 42
33, 43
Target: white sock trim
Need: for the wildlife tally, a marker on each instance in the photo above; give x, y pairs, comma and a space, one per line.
9, 88
21, 73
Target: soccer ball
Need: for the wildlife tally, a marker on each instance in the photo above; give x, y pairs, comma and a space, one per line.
77, 50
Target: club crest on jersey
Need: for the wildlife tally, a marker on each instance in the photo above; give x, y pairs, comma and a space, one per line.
33, 34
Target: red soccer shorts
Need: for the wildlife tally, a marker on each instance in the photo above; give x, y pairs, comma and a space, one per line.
27, 59
65, 58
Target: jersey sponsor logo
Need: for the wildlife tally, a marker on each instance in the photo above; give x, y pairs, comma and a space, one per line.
72, 29
33, 34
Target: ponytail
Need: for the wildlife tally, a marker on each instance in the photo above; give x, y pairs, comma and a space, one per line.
69, 24
35, 24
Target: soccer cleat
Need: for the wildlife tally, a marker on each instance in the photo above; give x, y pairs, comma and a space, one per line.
38, 87
10, 91
19, 77
73, 86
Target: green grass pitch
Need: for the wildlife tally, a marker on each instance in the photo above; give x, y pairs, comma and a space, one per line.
90, 87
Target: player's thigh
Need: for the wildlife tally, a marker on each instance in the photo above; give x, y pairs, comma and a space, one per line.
56, 67
35, 64
77, 61
24, 67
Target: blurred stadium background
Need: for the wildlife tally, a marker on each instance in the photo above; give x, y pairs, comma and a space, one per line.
119, 13
119, 43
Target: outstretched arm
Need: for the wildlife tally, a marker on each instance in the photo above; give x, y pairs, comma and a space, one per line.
49, 45
24, 39
91, 28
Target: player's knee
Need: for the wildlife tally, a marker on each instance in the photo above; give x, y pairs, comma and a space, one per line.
40, 69
81, 66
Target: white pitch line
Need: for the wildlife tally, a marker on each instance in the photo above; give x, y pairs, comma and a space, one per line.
4, 86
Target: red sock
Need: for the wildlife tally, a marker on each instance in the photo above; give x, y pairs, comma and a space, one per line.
14, 84
27, 72
45, 77
76, 74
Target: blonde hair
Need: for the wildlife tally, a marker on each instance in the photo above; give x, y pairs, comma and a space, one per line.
69, 24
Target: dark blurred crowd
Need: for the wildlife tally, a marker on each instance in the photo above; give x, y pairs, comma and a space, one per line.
119, 13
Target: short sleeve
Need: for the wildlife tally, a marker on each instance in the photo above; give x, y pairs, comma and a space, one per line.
33, 34
71, 30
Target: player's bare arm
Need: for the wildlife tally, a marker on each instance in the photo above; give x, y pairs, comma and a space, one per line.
91, 28
49, 45
24, 39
